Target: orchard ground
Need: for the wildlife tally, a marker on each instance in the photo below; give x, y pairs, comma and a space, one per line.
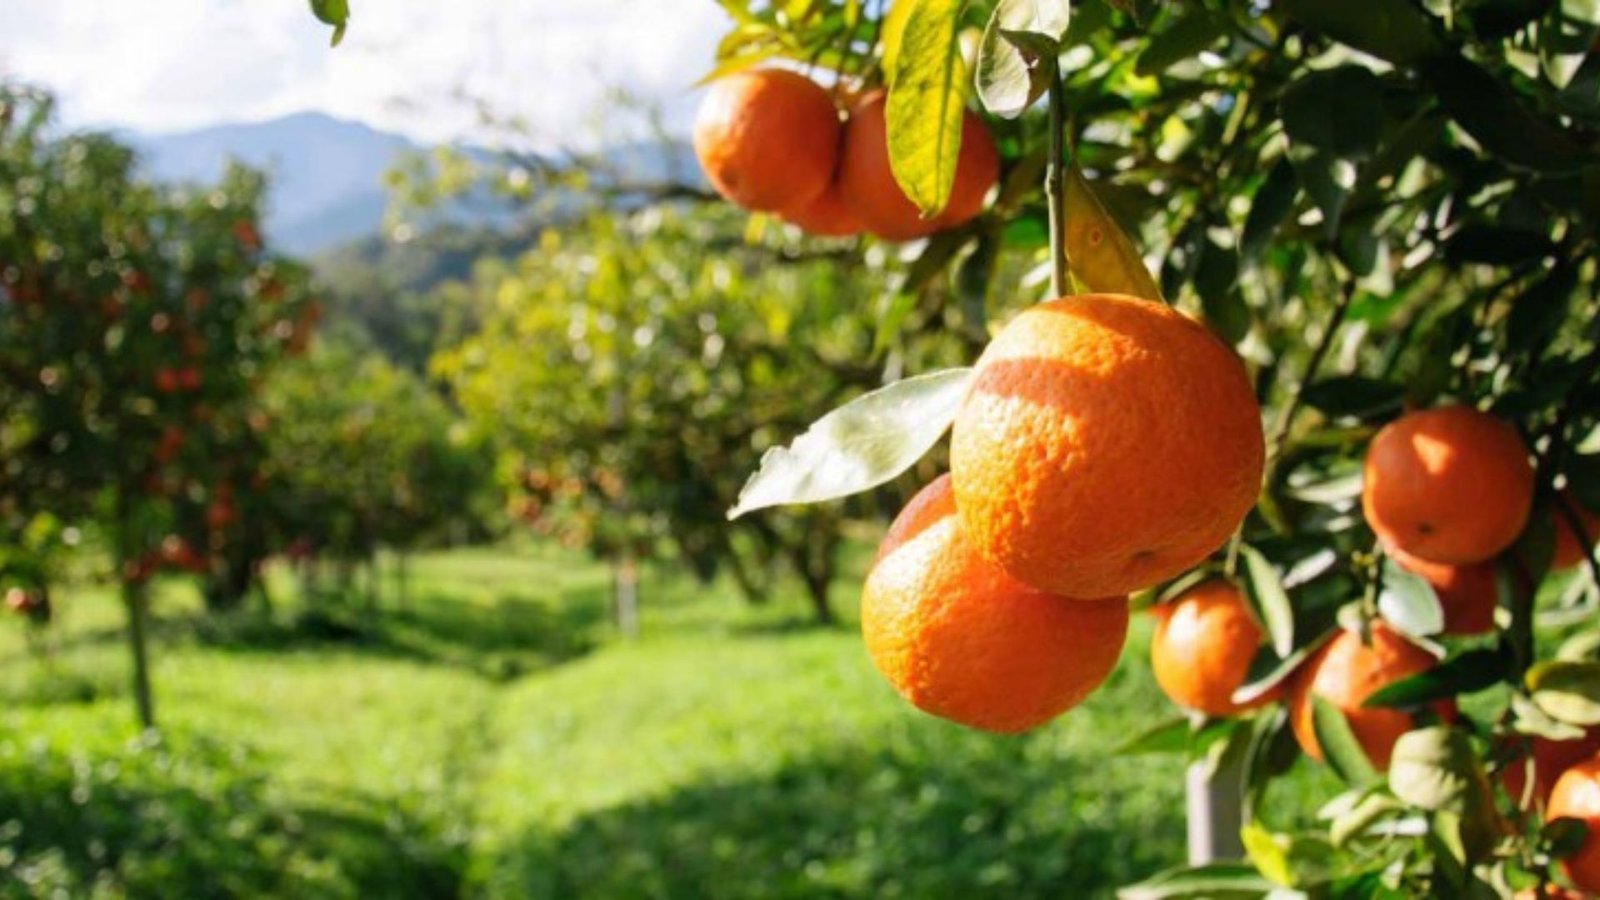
490, 737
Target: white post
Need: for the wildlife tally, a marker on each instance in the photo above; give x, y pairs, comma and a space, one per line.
1215, 816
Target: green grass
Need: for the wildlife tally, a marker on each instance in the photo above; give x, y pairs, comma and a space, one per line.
491, 737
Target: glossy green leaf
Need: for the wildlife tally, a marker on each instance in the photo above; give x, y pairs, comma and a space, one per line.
1371, 807
1340, 748
335, 13
1394, 30
1408, 602
1537, 315
1012, 75
927, 90
860, 445
1567, 691
1168, 736
1268, 852
1491, 112
1265, 589
1467, 673
1327, 180
1497, 245
1338, 111
1272, 203
1214, 881
1195, 29
1354, 396
1268, 671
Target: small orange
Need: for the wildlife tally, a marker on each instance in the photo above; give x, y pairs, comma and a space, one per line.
1106, 443
1449, 485
1577, 795
826, 216
867, 183
1569, 551
768, 139
1548, 760
961, 640
1468, 594
1202, 648
1345, 673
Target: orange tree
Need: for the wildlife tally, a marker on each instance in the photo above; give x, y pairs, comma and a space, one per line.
1389, 211
135, 325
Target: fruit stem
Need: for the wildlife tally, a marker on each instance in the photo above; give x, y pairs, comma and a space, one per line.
1055, 184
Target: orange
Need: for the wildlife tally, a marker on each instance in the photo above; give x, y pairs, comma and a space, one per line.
1450, 485
867, 183
1468, 594
826, 216
1202, 648
768, 139
1569, 550
961, 640
1548, 759
1577, 795
1345, 673
1105, 444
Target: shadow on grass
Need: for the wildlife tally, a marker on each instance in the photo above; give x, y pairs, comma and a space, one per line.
972, 819
144, 820
500, 639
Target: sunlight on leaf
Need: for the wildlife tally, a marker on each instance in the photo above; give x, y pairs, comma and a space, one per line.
860, 445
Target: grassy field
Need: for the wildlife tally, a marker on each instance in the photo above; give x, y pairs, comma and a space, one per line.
491, 737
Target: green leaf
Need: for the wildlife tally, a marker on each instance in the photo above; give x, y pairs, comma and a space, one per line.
1532, 720
1497, 245
1467, 673
1195, 30
925, 106
1353, 396
1339, 745
1267, 671
1168, 736
1215, 278
1327, 180
1102, 256
1567, 691
1388, 29
1491, 112
1265, 588
1409, 602
1564, 836
1338, 111
1435, 768
335, 13
1273, 751
860, 445
1537, 315
1213, 881
1268, 852
1352, 822
1273, 202
1010, 77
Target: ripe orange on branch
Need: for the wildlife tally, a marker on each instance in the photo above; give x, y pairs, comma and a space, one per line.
866, 181
1569, 549
1345, 673
1577, 795
768, 139
960, 639
1202, 648
1106, 443
1549, 760
1449, 485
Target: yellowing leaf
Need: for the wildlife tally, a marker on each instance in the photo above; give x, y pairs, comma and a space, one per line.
1102, 257
927, 88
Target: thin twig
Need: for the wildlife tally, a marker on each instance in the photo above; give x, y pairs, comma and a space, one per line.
1055, 185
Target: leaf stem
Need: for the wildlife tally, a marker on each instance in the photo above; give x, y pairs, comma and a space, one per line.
1055, 183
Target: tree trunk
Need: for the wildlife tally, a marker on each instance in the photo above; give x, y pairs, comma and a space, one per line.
402, 588
817, 588
137, 598
625, 588
1213, 806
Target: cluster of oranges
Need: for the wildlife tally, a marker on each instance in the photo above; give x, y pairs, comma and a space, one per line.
774, 141
1105, 444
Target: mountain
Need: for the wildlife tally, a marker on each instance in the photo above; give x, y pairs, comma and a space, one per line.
327, 173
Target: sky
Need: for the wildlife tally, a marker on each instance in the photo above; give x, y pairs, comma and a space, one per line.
404, 65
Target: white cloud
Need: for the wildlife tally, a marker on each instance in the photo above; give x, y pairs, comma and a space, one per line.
404, 64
